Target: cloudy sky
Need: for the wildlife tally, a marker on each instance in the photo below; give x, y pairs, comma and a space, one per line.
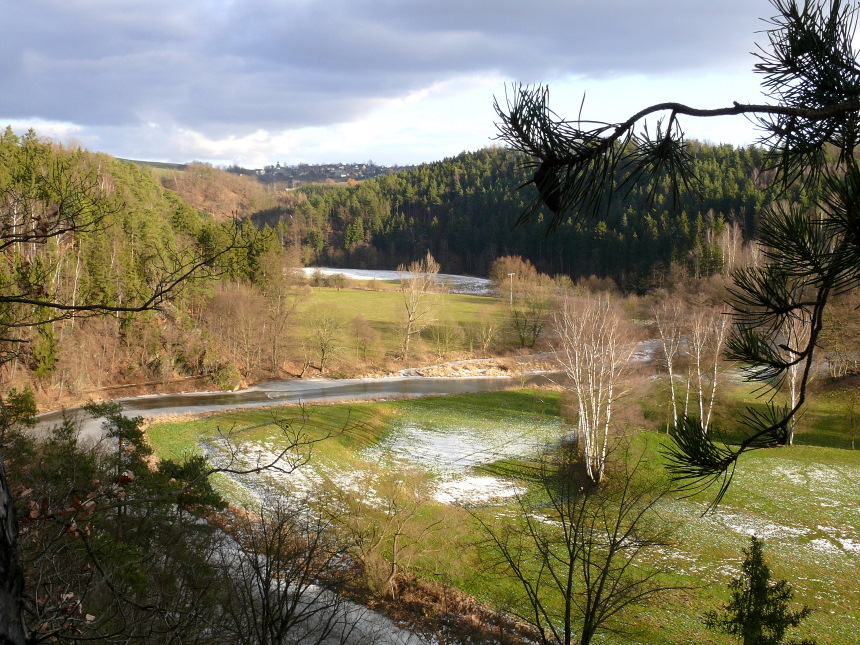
396, 81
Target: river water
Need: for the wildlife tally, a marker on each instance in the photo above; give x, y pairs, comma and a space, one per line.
454, 283
312, 391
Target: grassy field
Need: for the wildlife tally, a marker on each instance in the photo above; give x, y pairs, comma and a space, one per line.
379, 307
804, 501
383, 309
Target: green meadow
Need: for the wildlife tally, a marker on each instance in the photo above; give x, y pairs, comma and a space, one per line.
469, 454
383, 310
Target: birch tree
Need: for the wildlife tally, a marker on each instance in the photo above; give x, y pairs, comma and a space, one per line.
594, 349
669, 316
731, 243
692, 342
707, 336
417, 284
796, 331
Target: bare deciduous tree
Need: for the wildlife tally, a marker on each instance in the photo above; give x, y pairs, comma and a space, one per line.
529, 311
708, 331
282, 575
841, 336
417, 283
483, 333
325, 335
445, 335
578, 559
668, 314
368, 341
691, 343
380, 520
282, 300
731, 243
594, 347
236, 318
796, 329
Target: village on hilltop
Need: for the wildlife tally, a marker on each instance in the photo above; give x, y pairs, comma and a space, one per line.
305, 173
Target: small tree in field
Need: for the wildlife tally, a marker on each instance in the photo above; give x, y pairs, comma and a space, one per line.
528, 295
325, 335
417, 283
578, 559
758, 612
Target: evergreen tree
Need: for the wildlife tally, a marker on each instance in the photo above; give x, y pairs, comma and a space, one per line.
59, 206
758, 613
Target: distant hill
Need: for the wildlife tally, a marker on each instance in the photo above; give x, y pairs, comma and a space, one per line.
156, 164
463, 210
223, 195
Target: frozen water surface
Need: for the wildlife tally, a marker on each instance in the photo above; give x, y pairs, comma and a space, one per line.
454, 283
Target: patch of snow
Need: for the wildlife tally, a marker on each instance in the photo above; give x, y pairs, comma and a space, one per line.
821, 478
289, 474
758, 526
450, 451
467, 491
834, 536
825, 545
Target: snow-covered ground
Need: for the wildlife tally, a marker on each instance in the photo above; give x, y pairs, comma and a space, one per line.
453, 283
450, 451
450, 455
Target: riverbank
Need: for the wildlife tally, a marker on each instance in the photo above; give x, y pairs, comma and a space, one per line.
498, 366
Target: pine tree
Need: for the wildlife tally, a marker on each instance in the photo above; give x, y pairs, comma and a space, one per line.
811, 132
758, 612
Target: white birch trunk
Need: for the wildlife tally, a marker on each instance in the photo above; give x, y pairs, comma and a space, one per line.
590, 351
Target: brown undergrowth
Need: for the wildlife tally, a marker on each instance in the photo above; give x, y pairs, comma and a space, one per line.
424, 607
447, 614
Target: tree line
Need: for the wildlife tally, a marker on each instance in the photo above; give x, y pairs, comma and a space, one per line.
462, 210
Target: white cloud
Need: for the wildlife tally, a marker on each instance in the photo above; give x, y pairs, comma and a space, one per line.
49, 129
400, 81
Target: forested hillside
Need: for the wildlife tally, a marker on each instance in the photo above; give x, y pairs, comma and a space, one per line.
110, 280
85, 234
243, 321
463, 210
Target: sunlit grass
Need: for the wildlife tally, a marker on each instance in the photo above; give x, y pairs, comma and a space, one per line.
804, 501
384, 309
334, 429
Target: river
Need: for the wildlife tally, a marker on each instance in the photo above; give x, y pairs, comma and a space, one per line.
465, 284
313, 391
362, 625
